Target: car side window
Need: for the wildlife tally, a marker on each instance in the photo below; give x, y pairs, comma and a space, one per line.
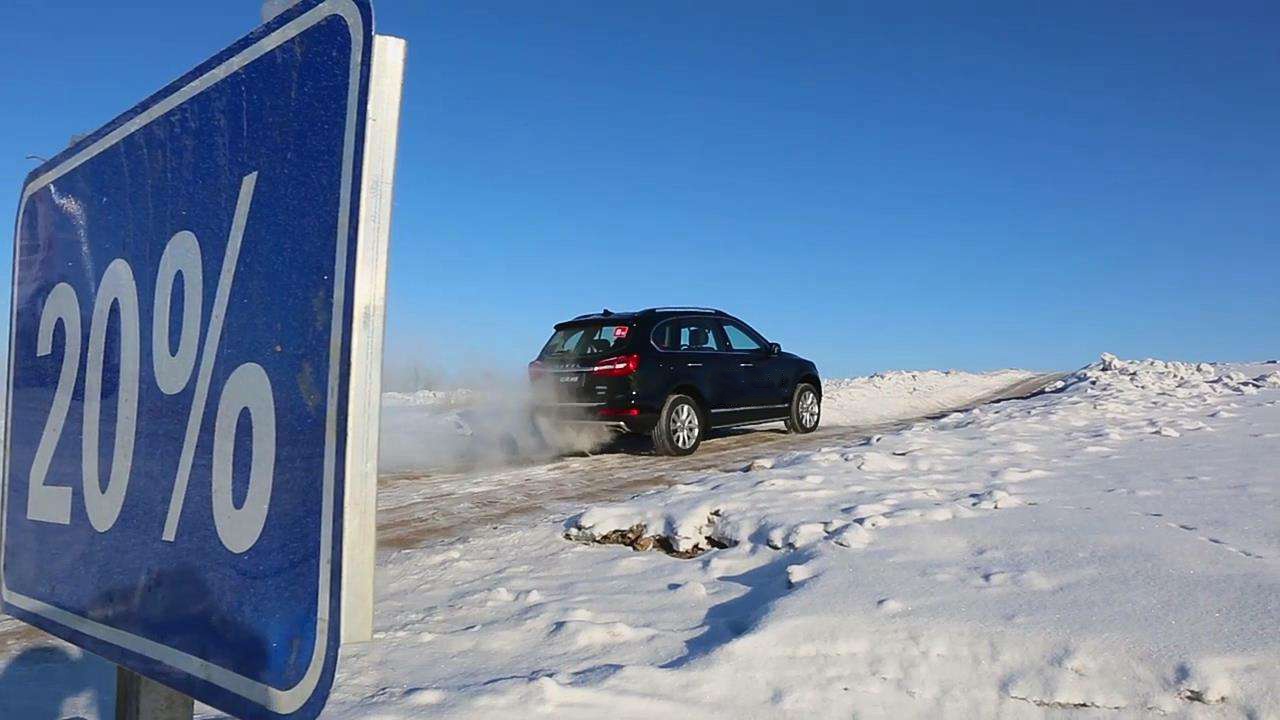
692, 334
739, 339
699, 335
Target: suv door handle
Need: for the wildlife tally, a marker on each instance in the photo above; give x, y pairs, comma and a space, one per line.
693, 364
746, 364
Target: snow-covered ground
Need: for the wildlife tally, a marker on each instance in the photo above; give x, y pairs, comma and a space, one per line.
1109, 549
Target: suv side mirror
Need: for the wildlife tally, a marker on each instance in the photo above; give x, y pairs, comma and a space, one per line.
774, 348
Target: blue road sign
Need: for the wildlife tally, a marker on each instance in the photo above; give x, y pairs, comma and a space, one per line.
179, 365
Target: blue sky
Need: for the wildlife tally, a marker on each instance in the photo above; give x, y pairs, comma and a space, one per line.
872, 186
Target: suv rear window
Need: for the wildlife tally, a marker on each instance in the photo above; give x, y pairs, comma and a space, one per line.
587, 340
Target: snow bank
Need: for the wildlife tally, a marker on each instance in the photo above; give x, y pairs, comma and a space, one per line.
900, 395
1143, 379
428, 398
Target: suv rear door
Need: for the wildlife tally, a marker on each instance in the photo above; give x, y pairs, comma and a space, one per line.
693, 348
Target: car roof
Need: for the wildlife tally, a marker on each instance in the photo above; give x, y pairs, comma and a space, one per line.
607, 315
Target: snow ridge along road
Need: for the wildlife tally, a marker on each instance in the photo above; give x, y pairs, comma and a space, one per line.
417, 507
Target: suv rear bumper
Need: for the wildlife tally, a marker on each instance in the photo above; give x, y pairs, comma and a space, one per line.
599, 414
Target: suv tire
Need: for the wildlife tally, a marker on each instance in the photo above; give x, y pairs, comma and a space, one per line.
806, 409
680, 426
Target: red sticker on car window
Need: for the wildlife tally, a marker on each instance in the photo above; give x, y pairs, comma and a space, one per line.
620, 331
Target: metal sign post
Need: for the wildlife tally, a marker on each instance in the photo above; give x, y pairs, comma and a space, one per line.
141, 698
195, 357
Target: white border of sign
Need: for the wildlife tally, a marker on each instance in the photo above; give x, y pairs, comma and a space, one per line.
369, 312
274, 699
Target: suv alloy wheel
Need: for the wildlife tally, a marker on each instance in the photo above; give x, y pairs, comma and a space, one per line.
806, 409
680, 427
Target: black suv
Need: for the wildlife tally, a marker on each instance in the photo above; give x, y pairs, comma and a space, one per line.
673, 373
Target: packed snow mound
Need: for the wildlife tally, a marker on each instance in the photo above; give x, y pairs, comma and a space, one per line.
904, 394
1114, 377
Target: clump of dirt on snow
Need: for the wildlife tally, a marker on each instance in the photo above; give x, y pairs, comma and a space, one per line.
703, 536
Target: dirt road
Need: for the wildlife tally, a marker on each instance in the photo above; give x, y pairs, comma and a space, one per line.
415, 509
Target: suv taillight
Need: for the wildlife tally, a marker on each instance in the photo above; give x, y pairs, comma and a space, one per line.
620, 366
536, 371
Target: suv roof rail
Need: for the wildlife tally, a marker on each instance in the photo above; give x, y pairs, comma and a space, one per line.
694, 308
